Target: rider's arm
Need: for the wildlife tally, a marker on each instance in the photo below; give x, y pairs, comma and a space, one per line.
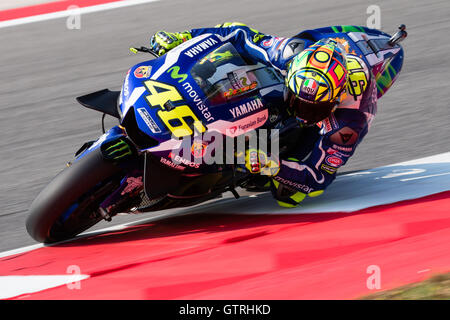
252, 43
249, 42
331, 151
341, 133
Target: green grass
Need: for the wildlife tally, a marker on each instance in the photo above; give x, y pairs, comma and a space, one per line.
435, 288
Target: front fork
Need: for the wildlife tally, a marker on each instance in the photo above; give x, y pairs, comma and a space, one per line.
117, 148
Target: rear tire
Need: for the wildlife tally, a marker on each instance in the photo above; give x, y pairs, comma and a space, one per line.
85, 184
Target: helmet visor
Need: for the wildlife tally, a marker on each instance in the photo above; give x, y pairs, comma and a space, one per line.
308, 111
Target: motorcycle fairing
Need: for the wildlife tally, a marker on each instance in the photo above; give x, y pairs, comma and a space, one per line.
166, 96
105, 101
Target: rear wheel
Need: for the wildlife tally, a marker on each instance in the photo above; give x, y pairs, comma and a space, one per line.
68, 205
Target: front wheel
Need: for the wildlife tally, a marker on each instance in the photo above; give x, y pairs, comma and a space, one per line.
68, 205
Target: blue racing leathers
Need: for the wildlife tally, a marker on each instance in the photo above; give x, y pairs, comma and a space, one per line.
334, 140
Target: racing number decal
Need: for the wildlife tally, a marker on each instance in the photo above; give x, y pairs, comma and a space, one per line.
357, 78
179, 119
161, 93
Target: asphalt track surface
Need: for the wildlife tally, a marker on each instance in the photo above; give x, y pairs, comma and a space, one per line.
44, 66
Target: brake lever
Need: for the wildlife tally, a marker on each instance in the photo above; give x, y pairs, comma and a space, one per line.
144, 49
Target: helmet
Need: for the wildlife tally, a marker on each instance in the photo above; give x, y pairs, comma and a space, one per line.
316, 79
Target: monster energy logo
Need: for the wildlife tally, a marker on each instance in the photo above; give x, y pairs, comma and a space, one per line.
175, 75
118, 150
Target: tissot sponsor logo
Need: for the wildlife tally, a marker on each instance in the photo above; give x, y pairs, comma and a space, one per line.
148, 120
245, 108
199, 48
198, 101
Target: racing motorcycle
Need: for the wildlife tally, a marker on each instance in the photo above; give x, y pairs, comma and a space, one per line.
203, 85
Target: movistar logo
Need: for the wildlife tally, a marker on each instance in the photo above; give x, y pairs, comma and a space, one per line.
175, 75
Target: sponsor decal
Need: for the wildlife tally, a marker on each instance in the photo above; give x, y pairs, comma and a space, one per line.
267, 43
245, 108
171, 164
334, 161
339, 154
296, 185
240, 126
198, 149
345, 149
197, 101
175, 75
327, 125
199, 48
328, 169
250, 125
133, 184
310, 87
142, 72
148, 120
345, 136
180, 160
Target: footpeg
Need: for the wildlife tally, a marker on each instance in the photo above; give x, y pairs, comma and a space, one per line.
105, 215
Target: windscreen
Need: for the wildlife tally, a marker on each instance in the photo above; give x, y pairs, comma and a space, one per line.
224, 75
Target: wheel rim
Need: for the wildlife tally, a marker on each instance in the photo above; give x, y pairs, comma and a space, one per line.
82, 214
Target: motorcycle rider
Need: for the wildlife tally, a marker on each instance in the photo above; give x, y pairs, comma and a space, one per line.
329, 91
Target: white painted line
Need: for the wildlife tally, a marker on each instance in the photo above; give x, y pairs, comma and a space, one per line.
424, 177
425, 270
434, 159
13, 286
72, 12
20, 250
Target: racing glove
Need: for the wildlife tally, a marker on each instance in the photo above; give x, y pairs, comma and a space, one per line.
162, 41
257, 161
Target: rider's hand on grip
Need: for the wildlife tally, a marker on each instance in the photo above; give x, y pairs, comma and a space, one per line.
257, 161
162, 41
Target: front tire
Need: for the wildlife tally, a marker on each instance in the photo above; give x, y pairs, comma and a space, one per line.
67, 205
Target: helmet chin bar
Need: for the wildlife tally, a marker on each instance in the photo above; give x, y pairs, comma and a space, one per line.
308, 113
